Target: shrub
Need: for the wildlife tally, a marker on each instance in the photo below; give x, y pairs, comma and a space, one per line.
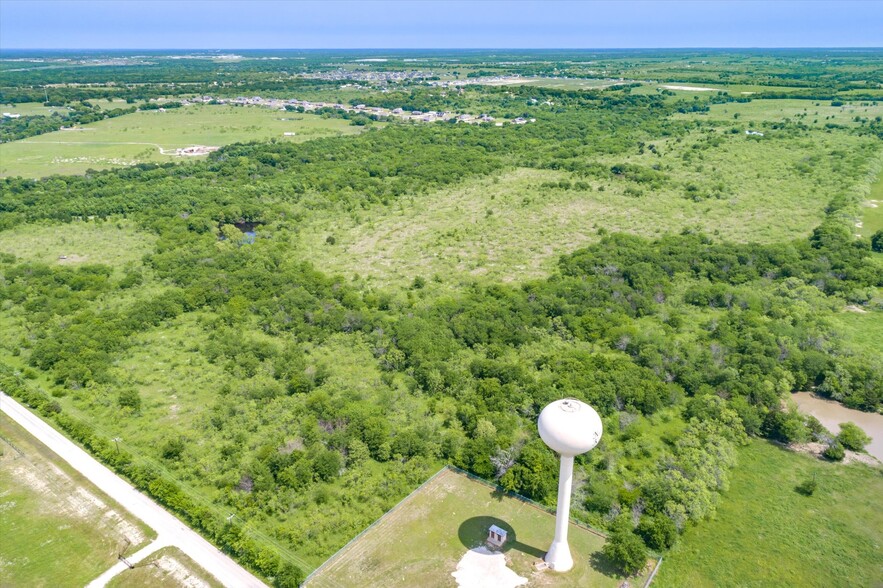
807, 487
835, 452
130, 398
625, 550
852, 437
658, 531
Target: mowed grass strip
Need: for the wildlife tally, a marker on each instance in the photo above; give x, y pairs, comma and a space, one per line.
56, 529
420, 542
767, 534
167, 568
139, 138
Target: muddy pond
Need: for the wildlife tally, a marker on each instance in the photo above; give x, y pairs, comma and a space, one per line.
831, 414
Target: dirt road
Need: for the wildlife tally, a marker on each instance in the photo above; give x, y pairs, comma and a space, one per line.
169, 529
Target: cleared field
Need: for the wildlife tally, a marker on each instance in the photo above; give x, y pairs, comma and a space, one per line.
142, 136
570, 83
56, 528
113, 243
167, 568
421, 542
767, 534
733, 89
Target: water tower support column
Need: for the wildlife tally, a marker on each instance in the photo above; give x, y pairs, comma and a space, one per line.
558, 557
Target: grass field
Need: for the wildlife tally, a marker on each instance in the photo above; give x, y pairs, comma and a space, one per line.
140, 137
421, 542
167, 568
767, 534
812, 113
569, 83
56, 528
872, 213
861, 330
112, 243
509, 227
33, 109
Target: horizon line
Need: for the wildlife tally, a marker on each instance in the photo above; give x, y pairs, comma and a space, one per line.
680, 48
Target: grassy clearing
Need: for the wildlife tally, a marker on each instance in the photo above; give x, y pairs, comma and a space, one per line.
114, 243
32, 109
139, 137
421, 542
509, 227
167, 568
872, 213
767, 534
56, 528
809, 112
861, 330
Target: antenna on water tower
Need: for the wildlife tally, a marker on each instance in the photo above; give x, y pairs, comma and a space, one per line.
569, 427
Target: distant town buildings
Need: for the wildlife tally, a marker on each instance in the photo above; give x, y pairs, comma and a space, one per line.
284, 104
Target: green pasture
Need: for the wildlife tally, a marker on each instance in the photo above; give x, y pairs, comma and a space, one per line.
570, 83
767, 534
38, 109
142, 136
815, 113
56, 528
422, 540
32, 109
167, 568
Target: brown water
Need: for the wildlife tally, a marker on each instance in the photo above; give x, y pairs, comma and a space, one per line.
831, 414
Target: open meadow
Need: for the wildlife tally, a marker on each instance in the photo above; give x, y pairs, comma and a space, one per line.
768, 534
152, 136
116, 244
56, 528
514, 225
872, 210
421, 541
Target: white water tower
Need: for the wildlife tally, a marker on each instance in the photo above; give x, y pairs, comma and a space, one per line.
569, 427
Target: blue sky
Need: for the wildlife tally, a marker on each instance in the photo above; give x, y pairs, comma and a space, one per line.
220, 24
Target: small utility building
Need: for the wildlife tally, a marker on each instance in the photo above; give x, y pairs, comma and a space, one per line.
496, 536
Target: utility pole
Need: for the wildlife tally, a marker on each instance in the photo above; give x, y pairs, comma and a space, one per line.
117, 440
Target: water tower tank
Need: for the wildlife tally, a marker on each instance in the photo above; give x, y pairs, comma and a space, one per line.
570, 427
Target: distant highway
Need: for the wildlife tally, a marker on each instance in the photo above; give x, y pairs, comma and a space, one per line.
169, 529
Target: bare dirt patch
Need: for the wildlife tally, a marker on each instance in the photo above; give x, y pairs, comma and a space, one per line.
818, 448
72, 259
690, 88
61, 495
481, 567
181, 573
